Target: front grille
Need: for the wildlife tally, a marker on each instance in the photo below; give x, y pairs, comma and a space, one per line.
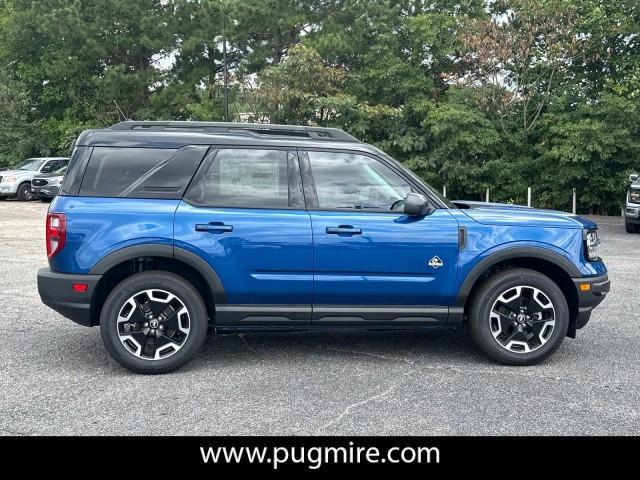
38, 182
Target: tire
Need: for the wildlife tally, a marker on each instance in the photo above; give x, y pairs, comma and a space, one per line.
24, 192
631, 227
133, 341
530, 336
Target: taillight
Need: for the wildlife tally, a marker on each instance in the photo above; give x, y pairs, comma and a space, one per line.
56, 233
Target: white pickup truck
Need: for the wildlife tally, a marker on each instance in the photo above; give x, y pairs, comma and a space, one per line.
17, 182
632, 209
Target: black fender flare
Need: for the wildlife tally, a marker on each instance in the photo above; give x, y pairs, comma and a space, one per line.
512, 253
165, 251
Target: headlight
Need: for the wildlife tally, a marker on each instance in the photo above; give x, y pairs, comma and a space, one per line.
591, 242
55, 180
9, 179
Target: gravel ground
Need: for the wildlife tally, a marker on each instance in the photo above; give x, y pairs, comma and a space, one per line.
57, 378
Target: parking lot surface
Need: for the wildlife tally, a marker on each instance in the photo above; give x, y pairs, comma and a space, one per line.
57, 378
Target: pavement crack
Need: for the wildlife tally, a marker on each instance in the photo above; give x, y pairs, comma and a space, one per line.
373, 355
349, 408
242, 338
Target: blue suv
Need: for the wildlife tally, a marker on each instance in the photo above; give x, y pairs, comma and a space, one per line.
165, 231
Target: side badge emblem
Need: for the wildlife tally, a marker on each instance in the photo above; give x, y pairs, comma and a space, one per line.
435, 262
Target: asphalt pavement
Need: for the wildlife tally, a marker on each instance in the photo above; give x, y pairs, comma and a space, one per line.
57, 378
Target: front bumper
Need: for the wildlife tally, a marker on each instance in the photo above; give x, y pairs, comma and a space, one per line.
591, 292
45, 191
56, 291
50, 191
8, 189
632, 213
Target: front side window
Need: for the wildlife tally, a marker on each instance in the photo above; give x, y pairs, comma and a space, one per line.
249, 178
50, 166
353, 181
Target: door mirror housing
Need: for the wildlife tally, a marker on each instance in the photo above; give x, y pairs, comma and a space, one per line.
416, 205
633, 177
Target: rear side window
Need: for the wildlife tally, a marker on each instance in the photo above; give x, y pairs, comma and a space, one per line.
140, 172
249, 178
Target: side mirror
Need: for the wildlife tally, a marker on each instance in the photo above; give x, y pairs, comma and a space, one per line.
633, 177
416, 205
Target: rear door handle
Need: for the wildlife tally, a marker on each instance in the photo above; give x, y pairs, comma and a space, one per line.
214, 227
344, 229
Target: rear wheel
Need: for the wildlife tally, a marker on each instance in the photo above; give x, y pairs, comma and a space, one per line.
153, 322
631, 227
24, 192
519, 317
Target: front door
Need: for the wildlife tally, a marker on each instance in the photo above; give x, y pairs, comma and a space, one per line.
244, 214
373, 264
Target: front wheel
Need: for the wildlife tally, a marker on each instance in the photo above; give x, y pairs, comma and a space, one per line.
24, 192
519, 317
153, 322
631, 227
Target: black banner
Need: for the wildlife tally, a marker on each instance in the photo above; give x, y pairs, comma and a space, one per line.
165, 455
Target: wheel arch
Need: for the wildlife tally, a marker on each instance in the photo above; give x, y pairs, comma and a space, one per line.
547, 262
129, 260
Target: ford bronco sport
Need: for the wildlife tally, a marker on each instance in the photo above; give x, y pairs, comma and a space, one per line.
164, 231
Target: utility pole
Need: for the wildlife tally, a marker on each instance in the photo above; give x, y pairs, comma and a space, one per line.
224, 67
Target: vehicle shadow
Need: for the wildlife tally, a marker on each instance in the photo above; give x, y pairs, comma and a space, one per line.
286, 348
423, 345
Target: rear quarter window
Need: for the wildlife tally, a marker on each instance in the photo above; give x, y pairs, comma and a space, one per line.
140, 172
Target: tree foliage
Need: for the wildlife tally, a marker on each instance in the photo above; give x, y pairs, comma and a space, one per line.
471, 94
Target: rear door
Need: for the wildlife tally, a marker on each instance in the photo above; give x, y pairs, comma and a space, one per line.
373, 263
244, 213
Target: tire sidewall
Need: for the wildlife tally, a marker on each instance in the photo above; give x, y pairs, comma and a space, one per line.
23, 193
145, 281
487, 295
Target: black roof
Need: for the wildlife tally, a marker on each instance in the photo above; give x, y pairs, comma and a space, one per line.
302, 132
171, 134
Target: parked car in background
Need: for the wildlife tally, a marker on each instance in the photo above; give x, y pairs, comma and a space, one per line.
17, 181
47, 185
632, 209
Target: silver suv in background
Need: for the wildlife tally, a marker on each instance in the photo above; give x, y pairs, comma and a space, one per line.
45, 186
17, 181
632, 209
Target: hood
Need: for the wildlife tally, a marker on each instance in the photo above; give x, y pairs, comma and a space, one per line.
518, 215
48, 175
14, 173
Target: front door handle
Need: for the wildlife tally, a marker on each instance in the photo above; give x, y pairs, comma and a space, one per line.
214, 227
344, 230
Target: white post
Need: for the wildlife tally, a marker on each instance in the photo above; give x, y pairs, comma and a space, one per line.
574, 201
528, 196
487, 196
444, 191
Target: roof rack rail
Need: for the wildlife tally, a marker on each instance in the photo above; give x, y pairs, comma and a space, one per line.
257, 129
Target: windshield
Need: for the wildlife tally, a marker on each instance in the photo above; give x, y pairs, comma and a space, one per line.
31, 165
